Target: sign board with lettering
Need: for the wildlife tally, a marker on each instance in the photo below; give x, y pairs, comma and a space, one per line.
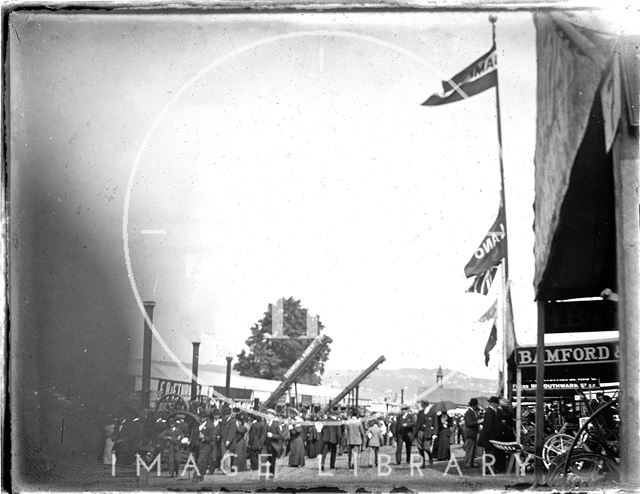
597, 359
596, 352
580, 317
567, 384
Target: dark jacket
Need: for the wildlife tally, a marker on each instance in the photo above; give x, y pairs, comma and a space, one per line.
257, 435
273, 444
228, 431
331, 433
490, 428
209, 432
425, 424
471, 425
405, 424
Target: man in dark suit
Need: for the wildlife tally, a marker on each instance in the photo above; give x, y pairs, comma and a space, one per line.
208, 438
273, 441
228, 432
331, 434
404, 433
471, 427
491, 432
257, 436
425, 432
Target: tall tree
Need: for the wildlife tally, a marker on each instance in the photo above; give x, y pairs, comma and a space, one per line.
271, 358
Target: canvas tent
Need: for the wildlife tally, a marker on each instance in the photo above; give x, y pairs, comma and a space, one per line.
587, 192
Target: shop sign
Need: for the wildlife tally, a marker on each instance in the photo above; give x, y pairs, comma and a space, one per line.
568, 384
583, 353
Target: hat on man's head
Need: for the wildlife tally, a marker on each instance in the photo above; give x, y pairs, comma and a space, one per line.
404, 407
424, 401
494, 399
473, 402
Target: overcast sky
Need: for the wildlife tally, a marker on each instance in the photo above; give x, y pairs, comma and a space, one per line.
306, 167
300, 165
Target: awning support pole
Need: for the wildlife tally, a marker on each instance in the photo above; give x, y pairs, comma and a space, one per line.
626, 174
540, 393
518, 404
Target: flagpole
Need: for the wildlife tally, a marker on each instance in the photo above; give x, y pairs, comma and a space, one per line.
493, 19
507, 391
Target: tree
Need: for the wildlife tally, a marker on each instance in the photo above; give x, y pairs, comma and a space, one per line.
271, 358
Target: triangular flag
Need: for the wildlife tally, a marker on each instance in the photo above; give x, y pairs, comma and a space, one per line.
492, 248
491, 312
491, 342
477, 77
510, 332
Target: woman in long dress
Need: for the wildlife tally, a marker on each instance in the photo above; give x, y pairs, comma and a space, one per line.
311, 439
241, 443
296, 455
444, 437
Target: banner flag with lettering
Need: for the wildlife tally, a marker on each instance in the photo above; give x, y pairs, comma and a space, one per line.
482, 282
491, 342
492, 249
491, 312
474, 79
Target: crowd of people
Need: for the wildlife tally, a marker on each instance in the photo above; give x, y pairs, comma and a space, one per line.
226, 440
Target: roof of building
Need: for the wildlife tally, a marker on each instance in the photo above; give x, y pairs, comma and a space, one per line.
458, 396
169, 370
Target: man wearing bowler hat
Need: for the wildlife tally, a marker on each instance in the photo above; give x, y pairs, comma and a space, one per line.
491, 432
425, 432
404, 433
273, 441
471, 427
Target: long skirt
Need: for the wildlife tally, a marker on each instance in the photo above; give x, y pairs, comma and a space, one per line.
296, 455
312, 448
444, 445
241, 455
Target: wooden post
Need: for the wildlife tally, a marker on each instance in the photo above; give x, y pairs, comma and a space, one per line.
194, 369
626, 174
145, 395
540, 393
227, 384
518, 404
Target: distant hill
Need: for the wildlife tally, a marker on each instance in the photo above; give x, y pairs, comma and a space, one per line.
388, 382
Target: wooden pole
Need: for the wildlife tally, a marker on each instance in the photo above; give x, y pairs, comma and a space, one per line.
506, 383
493, 19
145, 395
626, 166
227, 384
194, 369
540, 393
518, 404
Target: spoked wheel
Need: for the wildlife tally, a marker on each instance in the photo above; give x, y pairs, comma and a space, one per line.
171, 403
201, 404
554, 446
585, 469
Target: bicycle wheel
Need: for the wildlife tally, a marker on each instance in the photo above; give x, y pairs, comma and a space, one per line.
585, 469
554, 446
